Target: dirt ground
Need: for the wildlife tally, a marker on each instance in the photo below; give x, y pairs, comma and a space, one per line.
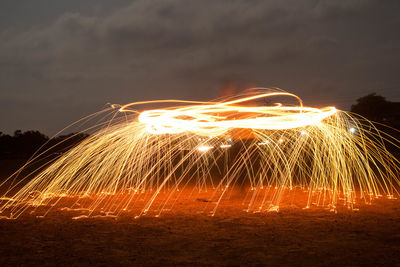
185, 235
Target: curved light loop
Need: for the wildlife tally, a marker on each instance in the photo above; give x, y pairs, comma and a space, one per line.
217, 118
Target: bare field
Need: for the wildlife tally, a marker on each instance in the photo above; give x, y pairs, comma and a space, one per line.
185, 234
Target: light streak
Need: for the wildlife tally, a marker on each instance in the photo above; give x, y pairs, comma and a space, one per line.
204, 148
266, 142
225, 146
138, 156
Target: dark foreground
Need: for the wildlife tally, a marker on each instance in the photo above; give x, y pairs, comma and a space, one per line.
292, 236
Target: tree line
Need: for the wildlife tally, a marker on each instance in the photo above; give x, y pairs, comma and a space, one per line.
25, 144
377, 109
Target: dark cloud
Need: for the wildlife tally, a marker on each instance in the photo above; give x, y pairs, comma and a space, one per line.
329, 52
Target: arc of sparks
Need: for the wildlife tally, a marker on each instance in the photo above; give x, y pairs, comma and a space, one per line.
335, 156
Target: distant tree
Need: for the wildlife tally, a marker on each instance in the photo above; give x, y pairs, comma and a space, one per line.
376, 108
62, 143
25, 144
6, 144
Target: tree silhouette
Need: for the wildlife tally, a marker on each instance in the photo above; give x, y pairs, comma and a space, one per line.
376, 108
28, 142
25, 144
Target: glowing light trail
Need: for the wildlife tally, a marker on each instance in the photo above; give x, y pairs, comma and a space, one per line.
207, 119
135, 157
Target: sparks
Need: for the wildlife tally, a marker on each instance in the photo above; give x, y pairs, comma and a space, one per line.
141, 155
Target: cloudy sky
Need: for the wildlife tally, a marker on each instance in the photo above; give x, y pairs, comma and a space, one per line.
62, 60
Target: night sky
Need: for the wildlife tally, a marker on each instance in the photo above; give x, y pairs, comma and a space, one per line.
62, 60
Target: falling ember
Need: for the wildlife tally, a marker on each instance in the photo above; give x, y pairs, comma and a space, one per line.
144, 160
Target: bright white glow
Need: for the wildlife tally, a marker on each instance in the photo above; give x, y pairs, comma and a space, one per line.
204, 148
303, 132
266, 142
352, 130
225, 146
216, 118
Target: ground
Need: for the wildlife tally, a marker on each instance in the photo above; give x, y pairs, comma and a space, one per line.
187, 236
